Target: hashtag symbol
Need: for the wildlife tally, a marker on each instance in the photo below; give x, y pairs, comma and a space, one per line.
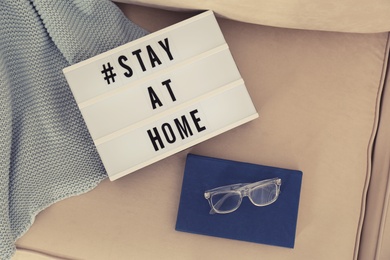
108, 73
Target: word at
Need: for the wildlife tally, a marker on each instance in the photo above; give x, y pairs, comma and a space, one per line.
155, 100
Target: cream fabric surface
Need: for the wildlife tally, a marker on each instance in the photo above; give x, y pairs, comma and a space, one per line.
376, 229
362, 16
318, 97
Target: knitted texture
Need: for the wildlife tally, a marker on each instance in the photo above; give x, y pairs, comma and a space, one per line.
47, 153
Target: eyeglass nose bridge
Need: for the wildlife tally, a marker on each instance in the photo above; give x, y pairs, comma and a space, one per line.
245, 192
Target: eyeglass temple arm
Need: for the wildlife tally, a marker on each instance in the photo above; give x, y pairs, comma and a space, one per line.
227, 187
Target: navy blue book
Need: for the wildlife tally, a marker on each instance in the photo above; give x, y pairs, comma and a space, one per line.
274, 224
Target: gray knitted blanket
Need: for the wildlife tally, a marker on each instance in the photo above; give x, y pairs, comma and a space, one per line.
46, 151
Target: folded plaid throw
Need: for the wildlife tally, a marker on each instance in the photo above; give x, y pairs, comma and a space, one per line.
46, 151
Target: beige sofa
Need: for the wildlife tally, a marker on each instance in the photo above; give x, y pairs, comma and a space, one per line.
321, 93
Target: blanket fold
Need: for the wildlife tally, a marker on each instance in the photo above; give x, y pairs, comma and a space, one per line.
47, 153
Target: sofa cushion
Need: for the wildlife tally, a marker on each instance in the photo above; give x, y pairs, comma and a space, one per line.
341, 16
317, 94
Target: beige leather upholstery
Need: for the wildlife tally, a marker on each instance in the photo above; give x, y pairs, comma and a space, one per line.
318, 96
376, 232
340, 16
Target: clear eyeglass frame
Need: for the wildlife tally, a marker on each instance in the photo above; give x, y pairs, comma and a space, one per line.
226, 199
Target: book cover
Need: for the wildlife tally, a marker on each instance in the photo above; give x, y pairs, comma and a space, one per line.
274, 224
160, 94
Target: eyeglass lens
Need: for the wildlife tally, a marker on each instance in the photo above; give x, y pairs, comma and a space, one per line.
264, 195
224, 202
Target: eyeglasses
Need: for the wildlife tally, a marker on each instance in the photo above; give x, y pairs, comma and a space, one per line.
227, 199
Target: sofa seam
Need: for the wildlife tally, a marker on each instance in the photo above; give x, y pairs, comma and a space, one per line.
43, 254
385, 206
